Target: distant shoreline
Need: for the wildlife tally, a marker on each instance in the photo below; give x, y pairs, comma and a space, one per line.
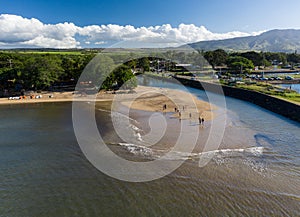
65, 96
143, 98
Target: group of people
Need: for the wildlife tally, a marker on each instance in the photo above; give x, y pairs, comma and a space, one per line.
25, 97
201, 119
30, 97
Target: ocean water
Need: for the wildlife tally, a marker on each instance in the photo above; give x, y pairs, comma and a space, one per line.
255, 172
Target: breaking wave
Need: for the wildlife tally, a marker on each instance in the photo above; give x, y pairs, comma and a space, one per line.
155, 153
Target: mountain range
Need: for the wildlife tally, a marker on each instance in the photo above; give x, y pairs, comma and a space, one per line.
287, 40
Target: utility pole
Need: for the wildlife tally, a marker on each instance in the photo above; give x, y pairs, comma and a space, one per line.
10, 62
241, 72
263, 72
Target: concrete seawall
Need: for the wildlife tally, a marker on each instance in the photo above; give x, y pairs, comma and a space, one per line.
281, 107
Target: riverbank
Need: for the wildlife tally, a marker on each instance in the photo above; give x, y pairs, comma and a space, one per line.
271, 103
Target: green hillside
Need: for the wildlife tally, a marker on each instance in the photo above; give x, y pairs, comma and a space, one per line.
273, 41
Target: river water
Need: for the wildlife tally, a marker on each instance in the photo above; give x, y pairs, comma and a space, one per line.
44, 173
295, 87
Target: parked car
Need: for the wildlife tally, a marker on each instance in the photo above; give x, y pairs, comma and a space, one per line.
289, 78
263, 79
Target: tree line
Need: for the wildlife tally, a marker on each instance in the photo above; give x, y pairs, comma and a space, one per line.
41, 70
248, 60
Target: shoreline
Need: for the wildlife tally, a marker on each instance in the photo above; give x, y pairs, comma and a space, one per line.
65, 96
143, 98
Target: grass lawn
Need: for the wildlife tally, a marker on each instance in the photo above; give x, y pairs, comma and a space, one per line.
53, 52
275, 91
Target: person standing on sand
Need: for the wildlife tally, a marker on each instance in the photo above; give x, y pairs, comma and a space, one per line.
202, 120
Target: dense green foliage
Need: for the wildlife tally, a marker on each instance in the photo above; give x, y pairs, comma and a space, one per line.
256, 58
39, 70
216, 58
238, 63
142, 63
123, 78
43, 70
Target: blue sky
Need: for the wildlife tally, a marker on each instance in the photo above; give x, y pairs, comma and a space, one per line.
217, 16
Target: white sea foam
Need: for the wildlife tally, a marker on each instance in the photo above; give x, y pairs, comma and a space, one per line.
137, 132
138, 149
253, 150
139, 137
136, 128
103, 110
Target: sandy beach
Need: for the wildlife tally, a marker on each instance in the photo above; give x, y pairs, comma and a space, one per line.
56, 97
154, 99
142, 98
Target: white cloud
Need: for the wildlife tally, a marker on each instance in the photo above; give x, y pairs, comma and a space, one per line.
46, 42
100, 42
17, 31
